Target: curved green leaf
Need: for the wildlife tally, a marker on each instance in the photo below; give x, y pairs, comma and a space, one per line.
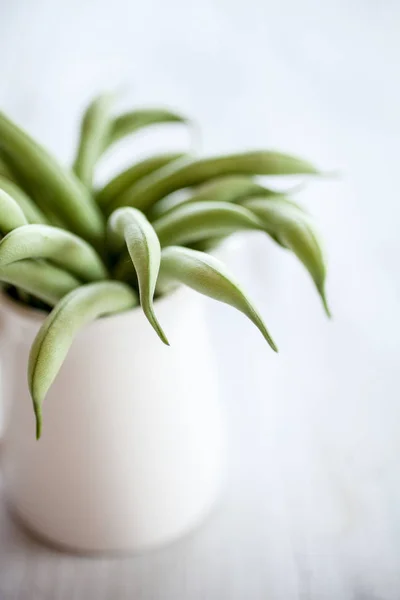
96, 128
222, 189
56, 187
131, 176
154, 187
125, 198
130, 226
293, 228
207, 244
11, 215
40, 279
57, 333
59, 246
123, 271
5, 170
229, 189
39, 197
133, 121
279, 199
54, 219
29, 208
209, 276
193, 222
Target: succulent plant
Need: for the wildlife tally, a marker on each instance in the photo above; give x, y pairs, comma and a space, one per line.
80, 253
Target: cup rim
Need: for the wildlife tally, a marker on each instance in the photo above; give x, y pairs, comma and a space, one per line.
31, 315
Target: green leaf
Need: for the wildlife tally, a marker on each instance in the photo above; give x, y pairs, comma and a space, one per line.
131, 176
230, 189
61, 247
173, 177
293, 229
130, 226
29, 208
40, 279
193, 222
5, 170
58, 331
96, 128
222, 189
135, 120
54, 219
11, 215
209, 276
56, 187
39, 198
207, 244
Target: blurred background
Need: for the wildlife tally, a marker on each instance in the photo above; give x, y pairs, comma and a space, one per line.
312, 509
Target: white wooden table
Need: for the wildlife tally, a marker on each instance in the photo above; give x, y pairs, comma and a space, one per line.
312, 507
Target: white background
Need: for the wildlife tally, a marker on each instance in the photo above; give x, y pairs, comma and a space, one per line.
313, 505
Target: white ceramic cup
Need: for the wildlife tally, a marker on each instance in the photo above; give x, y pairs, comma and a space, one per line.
132, 452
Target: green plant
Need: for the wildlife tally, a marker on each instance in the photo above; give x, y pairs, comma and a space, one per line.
82, 252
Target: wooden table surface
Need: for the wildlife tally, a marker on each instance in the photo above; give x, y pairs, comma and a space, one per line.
312, 504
